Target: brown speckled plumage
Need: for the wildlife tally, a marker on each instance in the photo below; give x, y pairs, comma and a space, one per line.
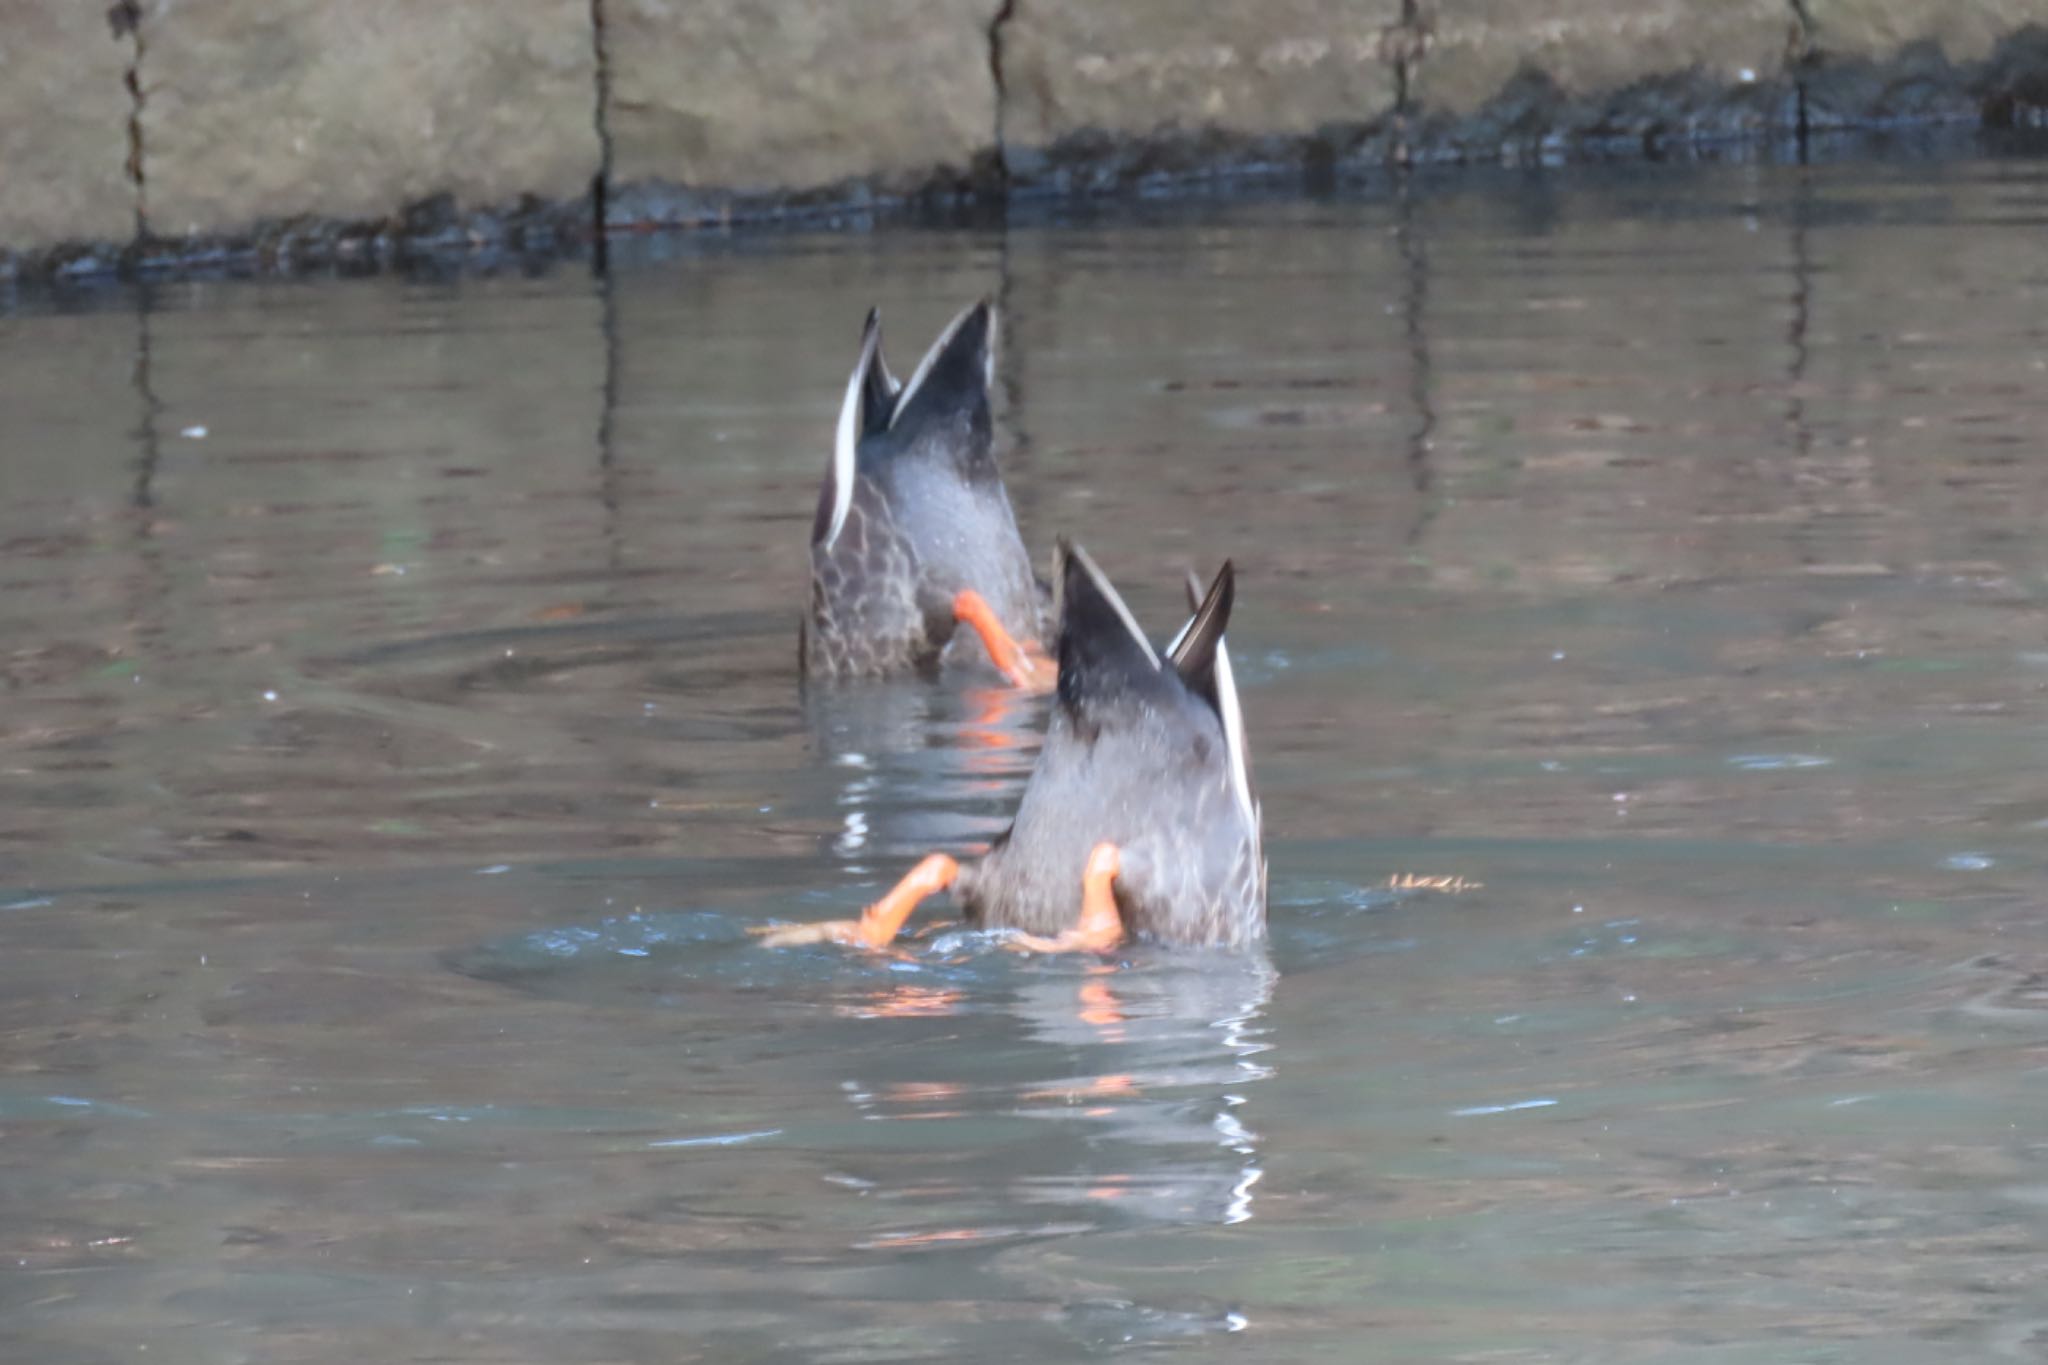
912, 511
1138, 752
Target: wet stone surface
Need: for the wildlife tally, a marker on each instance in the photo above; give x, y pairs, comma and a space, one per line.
399, 727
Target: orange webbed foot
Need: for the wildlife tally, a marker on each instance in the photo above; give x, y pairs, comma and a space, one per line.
1100, 928
1023, 663
879, 924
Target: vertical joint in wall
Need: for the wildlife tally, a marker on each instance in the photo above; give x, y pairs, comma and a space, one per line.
1403, 45
1004, 13
124, 17
600, 183
1802, 55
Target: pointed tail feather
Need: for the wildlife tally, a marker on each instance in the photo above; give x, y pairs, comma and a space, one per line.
1101, 649
953, 377
1199, 655
837, 495
1195, 651
878, 393
1193, 585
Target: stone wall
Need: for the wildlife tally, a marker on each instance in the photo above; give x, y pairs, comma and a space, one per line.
295, 131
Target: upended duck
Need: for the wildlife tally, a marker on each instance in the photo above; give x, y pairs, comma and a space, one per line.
914, 535
1139, 820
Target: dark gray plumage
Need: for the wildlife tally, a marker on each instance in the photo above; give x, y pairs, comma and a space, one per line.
912, 512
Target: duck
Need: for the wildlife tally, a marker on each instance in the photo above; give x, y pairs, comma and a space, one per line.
914, 535
1138, 823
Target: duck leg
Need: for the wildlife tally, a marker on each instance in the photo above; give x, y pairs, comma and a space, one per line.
1100, 927
880, 922
1023, 664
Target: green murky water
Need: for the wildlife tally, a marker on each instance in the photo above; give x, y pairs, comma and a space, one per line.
398, 724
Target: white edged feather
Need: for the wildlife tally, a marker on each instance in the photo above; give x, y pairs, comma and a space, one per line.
1108, 590
846, 441
1173, 645
1233, 735
931, 358
1227, 706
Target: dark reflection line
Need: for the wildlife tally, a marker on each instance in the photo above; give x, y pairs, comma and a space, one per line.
150, 605
1799, 311
1408, 240
607, 415
1010, 373
143, 494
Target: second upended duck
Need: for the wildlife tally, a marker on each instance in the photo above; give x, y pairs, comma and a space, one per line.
1139, 819
914, 535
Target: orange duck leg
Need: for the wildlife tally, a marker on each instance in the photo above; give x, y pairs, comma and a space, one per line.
1023, 664
1100, 928
879, 924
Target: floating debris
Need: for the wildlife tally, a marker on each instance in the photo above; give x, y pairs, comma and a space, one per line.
1756, 763
1479, 1109
718, 1139
1447, 882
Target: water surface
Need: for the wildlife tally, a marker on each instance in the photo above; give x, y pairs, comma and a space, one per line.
399, 729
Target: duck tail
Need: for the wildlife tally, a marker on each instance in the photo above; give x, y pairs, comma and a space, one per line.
1194, 588
880, 389
870, 400
950, 386
1101, 650
1201, 658
1195, 652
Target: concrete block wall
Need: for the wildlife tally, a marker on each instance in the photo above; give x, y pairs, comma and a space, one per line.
295, 131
